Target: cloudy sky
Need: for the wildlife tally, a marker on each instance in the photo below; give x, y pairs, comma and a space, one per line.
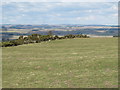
60, 13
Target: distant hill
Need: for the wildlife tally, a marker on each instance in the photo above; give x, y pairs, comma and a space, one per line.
8, 30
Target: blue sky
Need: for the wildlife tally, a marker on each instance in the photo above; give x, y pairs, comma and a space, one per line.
60, 13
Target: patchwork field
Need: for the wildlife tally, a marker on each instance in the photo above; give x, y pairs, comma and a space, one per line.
68, 63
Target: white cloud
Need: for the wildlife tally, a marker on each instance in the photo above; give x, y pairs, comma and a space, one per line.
114, 7
89, 11
12, 20
115, 15
60, 0
23, 15
34, 7
86, 18
61, 12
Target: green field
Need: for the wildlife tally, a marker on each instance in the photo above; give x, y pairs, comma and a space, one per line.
68, 63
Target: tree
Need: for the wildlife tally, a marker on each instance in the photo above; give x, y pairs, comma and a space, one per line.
50, 33
56, 37
21, 37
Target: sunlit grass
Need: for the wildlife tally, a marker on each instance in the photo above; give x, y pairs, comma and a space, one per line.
69, 63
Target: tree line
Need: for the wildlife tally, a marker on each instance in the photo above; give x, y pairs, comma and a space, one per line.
37, 38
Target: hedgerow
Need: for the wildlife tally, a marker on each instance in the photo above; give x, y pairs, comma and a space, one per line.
37, 38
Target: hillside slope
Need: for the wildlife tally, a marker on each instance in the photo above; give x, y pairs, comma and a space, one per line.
69, 63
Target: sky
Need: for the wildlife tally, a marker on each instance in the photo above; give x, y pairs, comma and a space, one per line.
60, 0
59, 12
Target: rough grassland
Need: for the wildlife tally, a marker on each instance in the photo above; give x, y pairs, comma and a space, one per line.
70, 63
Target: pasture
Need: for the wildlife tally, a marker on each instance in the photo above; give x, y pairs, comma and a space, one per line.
67, 63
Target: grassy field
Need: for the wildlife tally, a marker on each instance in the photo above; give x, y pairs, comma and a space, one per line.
69, 63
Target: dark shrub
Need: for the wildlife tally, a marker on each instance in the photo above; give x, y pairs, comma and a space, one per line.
6, 44
36, 38
17, 42
56, 37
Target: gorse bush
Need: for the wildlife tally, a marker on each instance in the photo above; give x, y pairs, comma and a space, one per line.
6, 44
37, 38
17, 42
